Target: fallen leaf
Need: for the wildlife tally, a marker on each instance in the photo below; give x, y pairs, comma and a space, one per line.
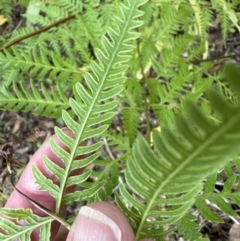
2, 20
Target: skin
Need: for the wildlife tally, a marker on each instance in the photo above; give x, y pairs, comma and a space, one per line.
83, 226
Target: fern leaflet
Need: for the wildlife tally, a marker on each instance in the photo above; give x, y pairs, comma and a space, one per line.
16, 230
24, 100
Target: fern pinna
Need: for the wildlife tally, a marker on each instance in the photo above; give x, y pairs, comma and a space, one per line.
46, 103
92, 106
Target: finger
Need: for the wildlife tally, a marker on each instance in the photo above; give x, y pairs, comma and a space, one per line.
100, 221
27, 185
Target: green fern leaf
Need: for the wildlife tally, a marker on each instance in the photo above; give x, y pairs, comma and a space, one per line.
118, 142
23, 100
226, 14
110, 173
189, 228
207, 212
219, 201
15, 230
131, 119
39, 63
92, 103
148, 53
169, 173
132, 112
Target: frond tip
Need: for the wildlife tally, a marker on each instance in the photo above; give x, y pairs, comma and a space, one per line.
174, 171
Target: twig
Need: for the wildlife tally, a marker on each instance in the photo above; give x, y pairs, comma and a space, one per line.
43, 29
108, 149
232, 56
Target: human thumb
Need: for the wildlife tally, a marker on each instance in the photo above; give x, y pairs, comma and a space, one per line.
100, 221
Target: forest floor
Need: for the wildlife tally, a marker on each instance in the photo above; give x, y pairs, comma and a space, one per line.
21, 125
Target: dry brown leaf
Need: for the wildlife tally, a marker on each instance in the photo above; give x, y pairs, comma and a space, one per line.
17, 126
2, 20
36, 135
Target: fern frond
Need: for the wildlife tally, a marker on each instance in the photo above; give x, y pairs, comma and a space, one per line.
227, 92
150, 12
71, 6
93, 105
131, 120
20, 32
110, 173
85, 29
39, 103
219, 201
118, 142
148, 53
39, 64
16, 230
168, 171
106, 11
9, 76
198, 15
165, 114
188, 227
6, 9
226, 14
133, 98
178, 46
170, 19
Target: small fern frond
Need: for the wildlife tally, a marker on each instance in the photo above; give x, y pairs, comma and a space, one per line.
131, 120
226, 14
188, 227
148, 53
227, 92
150, 12
118, 142
71, 6
6, 9
9, 76
39, 103
15, 230
106, 11
168, 171
110, 173
198, 15
218, 200
133, 98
